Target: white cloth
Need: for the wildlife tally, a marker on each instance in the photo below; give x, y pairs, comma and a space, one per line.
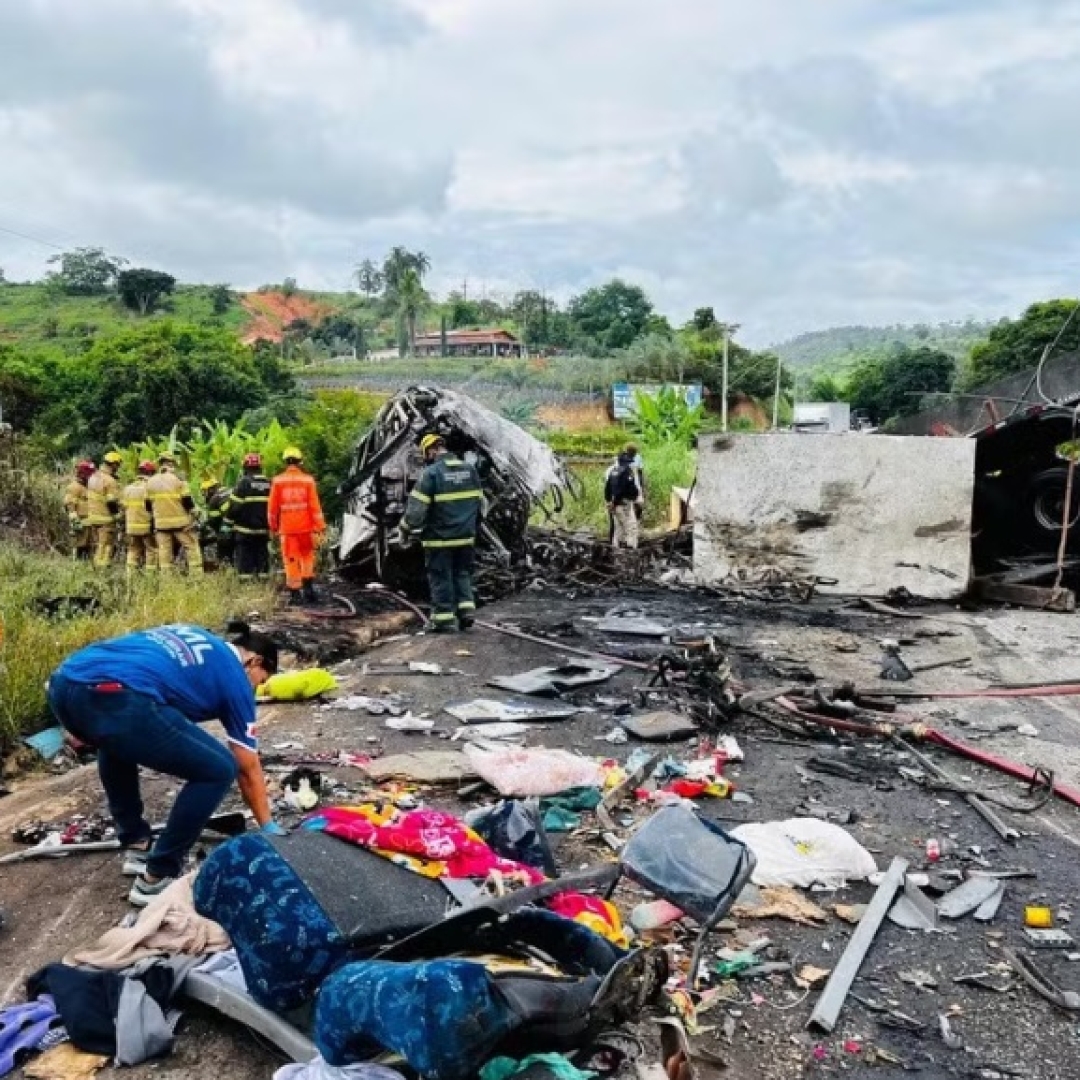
318, 1069
802, 852
225, 967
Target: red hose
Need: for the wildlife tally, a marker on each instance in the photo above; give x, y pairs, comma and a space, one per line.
994, 761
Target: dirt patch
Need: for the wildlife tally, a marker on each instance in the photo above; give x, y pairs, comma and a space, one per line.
272, 312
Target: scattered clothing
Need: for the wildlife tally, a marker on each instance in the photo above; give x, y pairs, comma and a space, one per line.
169, 926
320, 1069
125, 1016
23, 1029
551, 1066
427, 841
524, 771
298, 685
600, 916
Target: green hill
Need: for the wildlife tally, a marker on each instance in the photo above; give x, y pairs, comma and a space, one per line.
36, 314
837, 347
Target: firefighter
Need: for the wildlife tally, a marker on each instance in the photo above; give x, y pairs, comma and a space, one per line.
444, 509
168, 498
138, 522
216, 532
246, 512
76, 503
295, 516
103, 508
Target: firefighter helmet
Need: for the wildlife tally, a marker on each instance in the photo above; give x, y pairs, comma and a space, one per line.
147, 468
429, 441
113, 458
253, 461
166, 457
292, 453
85, 468
209, 484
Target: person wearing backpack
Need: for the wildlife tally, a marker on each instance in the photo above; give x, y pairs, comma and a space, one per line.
622, 494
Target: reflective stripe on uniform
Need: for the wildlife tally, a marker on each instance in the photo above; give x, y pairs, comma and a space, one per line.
251, 532
466, 605
467, 541
419, 496
453, 496
443, 616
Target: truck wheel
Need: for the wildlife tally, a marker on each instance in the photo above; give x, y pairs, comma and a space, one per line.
1046, 502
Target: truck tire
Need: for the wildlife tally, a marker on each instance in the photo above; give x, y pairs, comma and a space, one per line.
1045, 500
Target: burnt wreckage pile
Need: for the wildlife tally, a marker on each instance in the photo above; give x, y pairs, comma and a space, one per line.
519, 475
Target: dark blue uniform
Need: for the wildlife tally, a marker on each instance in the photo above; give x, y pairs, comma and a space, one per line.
444, 508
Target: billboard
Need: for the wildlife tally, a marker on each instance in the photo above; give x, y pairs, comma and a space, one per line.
623, 399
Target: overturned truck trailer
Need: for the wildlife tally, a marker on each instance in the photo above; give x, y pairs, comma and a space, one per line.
517, 471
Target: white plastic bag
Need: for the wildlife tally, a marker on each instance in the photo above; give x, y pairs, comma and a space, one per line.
802, 852
523, 771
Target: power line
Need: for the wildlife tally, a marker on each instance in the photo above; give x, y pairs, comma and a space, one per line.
32, 239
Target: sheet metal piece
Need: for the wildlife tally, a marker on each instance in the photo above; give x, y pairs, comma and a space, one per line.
966, 898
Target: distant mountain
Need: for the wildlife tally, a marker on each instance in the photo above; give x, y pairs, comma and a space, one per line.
837, 347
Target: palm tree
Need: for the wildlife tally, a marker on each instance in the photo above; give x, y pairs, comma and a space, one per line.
411, 301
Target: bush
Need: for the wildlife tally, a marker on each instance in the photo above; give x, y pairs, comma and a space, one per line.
32, 645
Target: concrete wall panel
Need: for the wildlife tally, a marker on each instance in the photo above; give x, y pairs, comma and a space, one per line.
873, 511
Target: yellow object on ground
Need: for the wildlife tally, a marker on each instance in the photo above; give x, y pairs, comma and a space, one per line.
298, 685
1041, 918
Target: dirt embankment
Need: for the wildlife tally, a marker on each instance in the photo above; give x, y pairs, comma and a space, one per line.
272, 312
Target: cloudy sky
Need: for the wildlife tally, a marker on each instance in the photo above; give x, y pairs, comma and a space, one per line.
795, 163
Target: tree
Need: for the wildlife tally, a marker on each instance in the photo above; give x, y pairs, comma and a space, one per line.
143, 381
23, 388
411, 301
658, 358
289, 287
460, 312
142, 290
86, 271
610, 316
369, 279
827, 387
1018, 345
221, 299
704, 320
398, 262
893, 385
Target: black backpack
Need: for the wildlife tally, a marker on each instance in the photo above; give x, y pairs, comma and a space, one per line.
623, 484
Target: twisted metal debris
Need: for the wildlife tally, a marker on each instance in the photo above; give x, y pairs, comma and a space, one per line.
518, 472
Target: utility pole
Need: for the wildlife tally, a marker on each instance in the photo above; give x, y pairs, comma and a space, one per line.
724, 380
776, 395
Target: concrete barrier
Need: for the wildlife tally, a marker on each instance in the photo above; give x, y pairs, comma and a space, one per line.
873, 511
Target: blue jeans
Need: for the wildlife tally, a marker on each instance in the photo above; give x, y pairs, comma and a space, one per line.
128, 730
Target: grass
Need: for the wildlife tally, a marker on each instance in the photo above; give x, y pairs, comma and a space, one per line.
34, 314
665, 467
32, 643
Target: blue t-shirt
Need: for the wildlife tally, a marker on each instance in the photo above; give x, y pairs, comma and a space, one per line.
185, 667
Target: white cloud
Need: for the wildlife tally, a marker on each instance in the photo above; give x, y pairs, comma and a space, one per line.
793, 164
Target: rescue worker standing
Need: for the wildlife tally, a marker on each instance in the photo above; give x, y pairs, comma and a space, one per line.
76, 503
103, 508
295, 516
444, 509
170, 503
246, 512
138, 522
622, 495
216, 531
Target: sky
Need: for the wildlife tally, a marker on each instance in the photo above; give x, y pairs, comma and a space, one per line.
796, 164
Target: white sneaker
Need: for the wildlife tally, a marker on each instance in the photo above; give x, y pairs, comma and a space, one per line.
143, 892
134, 862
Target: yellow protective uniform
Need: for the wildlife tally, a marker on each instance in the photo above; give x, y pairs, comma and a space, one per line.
173, 523
138, 526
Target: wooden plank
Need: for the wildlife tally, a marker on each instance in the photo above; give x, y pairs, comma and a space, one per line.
827, 1010
1027, 596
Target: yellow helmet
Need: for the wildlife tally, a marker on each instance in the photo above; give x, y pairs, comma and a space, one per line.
428, 441
292, 453
113, 458
209, 483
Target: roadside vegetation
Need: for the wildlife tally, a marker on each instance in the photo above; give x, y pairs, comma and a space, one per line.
39, 628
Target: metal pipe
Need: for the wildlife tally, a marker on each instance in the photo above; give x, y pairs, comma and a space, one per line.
520, 634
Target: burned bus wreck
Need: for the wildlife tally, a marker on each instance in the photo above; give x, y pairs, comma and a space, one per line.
519, 475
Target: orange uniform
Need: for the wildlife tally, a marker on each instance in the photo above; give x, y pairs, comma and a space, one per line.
295, 515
